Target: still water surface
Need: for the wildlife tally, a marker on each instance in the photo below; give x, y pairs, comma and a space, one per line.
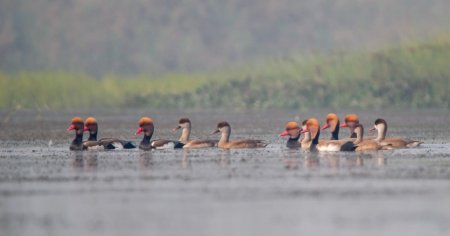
47, 190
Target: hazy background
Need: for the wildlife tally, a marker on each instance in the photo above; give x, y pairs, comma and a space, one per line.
150, 52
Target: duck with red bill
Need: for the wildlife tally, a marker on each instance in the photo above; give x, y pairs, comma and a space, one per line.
351, 121
77, 124
292, 129
147, 127
91, 126
332, 122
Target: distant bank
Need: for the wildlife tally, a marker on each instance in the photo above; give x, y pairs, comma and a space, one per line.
412, 75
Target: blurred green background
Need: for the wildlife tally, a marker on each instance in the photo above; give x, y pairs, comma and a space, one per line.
237, 54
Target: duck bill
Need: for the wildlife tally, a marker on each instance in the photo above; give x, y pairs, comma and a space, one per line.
176, 128
85, 128
139, 130
71, 127
325, 127
285, 133
344, 125
304, 131
372, 129
215, 131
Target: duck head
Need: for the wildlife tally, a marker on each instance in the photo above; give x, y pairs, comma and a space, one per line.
331, 122
381, 127
222, 127
292, 129
76, 124
146, 126
183, 123
90, 125
350, 121
312, 126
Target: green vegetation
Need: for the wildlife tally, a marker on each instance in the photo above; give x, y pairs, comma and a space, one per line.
415, 75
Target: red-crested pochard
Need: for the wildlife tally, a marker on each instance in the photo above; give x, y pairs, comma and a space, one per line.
77, 144
350, 121
225, 129
312, 142
91, 126
185, 125
332, 122
147, 127
359, 144
395, 142
292, 129
367, 144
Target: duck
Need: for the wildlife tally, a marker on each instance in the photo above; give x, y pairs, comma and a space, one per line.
396, 142
359, 144
225, 129
292, 129
91, 126
367, 144
350, 121
146, 126
185, 125
332, 122
77, 124
311, 142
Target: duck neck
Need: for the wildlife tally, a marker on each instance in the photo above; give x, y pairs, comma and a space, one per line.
78, 138
335, 133
307, 138
92, 136
225, 137
294, 139
146, 139
185, 133
315, 140
359, 136
381, 130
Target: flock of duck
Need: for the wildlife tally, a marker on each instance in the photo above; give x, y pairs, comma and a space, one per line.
310, 129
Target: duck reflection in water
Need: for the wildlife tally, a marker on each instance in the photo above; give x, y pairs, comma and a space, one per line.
185, 161
291, 159
224, 157
87, 161
311, 160
145, 160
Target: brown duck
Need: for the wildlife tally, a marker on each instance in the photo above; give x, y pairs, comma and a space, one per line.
185, 125
225, 129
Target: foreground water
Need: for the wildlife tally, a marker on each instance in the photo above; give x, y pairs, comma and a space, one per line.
47, 190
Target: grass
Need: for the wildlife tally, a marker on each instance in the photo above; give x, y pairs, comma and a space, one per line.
413, 75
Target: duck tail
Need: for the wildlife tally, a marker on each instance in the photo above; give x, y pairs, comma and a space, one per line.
414, 144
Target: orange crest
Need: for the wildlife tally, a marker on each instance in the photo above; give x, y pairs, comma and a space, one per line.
352, 118
313, 122
90, 121
292, 125
331, 117
145, 121
77, 120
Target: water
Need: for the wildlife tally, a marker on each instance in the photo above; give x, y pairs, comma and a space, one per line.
47, 190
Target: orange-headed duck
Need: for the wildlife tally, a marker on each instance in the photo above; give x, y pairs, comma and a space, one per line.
395, 142
147, 127
292, 129
311, 142
225, 129
332, 122
77, 144
91, 126
350, 121
185, 125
